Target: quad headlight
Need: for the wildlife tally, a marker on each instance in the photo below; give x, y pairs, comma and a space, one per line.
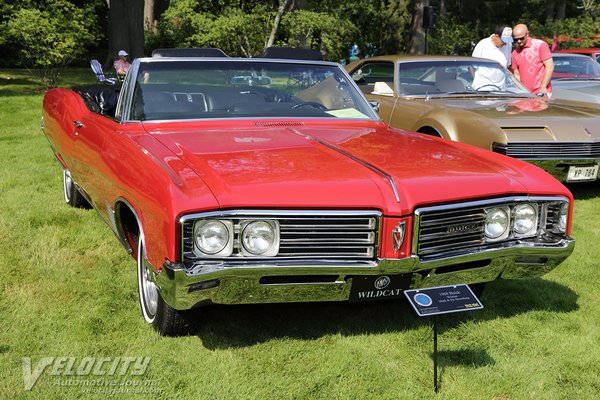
563, 216
260, 238
244, 237
497, 222
525, 219
521, 220
214, 237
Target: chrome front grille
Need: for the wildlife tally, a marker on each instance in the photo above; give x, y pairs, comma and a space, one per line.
303, 234
450, 230
445, 231
554, 150
327, 236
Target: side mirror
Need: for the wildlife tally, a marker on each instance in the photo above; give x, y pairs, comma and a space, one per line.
374, 105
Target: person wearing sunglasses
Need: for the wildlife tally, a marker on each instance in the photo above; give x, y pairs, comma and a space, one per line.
532, 62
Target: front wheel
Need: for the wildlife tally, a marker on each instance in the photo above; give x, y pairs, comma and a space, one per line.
156, 312
72, 195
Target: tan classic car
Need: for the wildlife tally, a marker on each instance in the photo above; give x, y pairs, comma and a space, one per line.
476, 101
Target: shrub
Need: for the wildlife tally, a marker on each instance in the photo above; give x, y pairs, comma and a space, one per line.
452, 38
48, 39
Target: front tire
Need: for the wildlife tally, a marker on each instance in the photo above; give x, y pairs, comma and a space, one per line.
72, 195
166, 320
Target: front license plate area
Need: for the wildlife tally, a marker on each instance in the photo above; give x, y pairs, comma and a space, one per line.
378, 287
582, 174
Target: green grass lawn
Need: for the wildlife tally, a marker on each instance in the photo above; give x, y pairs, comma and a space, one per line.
68, 289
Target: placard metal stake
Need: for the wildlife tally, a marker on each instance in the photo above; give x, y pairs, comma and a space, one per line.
430, 302
435, 333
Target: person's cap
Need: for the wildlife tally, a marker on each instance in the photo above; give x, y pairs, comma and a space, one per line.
507, 35
123, 53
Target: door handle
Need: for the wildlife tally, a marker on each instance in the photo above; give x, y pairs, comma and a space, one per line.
78, 124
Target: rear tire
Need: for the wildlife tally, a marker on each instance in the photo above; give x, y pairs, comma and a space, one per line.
72, 195
166, 320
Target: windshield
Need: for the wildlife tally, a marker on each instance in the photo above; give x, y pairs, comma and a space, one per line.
172, 89
439, 78
575, 67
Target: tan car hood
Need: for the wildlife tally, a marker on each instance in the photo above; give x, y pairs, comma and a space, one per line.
532, 120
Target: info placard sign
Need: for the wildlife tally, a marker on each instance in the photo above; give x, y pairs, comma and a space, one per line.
443, 300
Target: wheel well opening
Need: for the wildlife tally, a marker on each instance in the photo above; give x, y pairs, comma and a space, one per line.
129, 226
428, 130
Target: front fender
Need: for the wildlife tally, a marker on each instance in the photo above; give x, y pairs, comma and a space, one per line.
463, 126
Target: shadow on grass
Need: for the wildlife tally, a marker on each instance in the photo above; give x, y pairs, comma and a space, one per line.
584, 191
465, 357
222, 327
10, 87
18, 81
473, 358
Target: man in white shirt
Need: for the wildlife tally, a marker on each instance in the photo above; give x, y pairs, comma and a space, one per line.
489, 79
508, 41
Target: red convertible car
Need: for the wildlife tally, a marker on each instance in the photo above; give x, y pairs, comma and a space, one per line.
270, 180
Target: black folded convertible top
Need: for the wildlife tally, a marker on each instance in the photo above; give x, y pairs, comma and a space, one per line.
189, 52
292, 53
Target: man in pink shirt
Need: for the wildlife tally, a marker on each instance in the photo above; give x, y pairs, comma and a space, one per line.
532, 62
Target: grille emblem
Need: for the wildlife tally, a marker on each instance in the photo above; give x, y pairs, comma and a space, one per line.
382, 282
462, 228
398, 236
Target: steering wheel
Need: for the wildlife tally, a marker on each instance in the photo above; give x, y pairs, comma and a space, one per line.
312, 104
489, 84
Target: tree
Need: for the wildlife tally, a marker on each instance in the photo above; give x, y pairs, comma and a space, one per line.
283, 4
153, 9
49, 37
318, 30
416, 44
125, 28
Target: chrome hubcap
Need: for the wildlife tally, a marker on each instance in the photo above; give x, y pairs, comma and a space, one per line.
68, 184
148, 289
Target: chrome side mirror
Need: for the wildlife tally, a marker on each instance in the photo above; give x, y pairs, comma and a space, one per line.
374, 105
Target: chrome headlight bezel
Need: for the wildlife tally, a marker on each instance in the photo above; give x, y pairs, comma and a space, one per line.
266, 231
492, 215
526, 214
224, 249
563, 218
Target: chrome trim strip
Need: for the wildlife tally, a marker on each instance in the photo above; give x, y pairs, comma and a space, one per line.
553, 150
364, 163
238, 60
130, 80
263, 118
271, 212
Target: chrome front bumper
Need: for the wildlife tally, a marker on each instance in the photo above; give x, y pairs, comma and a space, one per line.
188, 286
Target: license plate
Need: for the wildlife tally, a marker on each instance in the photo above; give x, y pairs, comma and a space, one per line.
379, 287
577, 174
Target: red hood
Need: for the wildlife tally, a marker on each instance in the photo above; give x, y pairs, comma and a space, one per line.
320, 166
